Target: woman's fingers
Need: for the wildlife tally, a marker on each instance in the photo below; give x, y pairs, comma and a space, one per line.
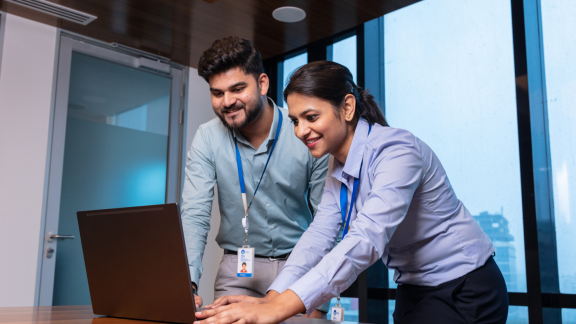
210, 312
242, 321
219, 302
226, 300
236, 313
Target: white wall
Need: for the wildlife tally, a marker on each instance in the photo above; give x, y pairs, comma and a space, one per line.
199, 112
26, 79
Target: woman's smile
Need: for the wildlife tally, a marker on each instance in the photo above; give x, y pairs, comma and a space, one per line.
311, 142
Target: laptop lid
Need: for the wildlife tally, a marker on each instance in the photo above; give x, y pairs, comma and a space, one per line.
136, 263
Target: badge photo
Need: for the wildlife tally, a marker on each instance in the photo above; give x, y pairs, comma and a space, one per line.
245, 262
337, 314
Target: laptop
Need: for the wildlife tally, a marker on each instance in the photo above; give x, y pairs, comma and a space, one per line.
136, 263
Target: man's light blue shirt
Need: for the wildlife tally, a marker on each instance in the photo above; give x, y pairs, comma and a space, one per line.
280, 212
409, 216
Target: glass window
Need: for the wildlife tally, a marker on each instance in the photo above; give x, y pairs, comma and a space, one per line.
568, 316
391, 306
449, 76
344, 52
289, 66
517, 315
116, 154
558, 25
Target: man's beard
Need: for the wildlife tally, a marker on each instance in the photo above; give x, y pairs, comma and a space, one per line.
251, 115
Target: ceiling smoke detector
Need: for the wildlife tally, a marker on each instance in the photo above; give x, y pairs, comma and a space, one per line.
289, 14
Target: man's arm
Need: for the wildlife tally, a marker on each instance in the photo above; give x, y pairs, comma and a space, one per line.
316, 241
197, 199
317, 181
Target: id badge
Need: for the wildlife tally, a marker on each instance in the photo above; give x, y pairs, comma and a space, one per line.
337, 314
245, 262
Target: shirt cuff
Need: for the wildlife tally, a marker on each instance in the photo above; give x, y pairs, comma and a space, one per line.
313, 289
283, 281
195, 276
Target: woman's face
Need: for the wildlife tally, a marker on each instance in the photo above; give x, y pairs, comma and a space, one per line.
317, 124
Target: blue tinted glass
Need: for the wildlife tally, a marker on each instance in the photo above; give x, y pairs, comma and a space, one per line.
290, 65
568, 316
517, 315
115, 155
558, 25
449, 70
344, 52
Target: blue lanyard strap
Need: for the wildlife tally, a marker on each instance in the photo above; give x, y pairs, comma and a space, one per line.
344, 198
241, 172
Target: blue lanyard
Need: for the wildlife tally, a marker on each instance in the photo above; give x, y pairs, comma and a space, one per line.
344, 197
241, 173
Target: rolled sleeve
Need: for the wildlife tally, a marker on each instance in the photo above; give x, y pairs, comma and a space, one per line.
197, 198
315, 243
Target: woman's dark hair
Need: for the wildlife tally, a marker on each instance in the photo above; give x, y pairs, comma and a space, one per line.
331, 81
227, 53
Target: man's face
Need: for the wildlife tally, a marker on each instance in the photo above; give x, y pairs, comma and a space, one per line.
237, 97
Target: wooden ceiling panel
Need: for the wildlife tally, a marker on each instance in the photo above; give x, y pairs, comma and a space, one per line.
182, 29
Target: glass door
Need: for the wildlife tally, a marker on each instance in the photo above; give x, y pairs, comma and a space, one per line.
116, 143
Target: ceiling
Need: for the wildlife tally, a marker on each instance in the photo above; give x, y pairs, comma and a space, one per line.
182, 29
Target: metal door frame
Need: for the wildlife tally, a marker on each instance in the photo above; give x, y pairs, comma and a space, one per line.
68, 43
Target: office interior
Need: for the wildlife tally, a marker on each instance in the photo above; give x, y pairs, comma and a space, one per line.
99, 113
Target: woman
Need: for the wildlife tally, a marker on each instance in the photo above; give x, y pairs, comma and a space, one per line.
403, 211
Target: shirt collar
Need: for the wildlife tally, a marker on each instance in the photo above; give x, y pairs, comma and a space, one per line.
271, 134
355, 155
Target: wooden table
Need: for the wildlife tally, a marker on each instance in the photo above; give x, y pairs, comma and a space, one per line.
84, 315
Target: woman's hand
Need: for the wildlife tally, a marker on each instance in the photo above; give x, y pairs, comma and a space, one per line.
226, 300
278, 309
238, 313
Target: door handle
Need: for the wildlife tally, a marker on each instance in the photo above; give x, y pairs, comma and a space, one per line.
52, 236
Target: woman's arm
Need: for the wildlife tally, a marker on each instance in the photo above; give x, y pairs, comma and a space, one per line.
276, 310
395, 173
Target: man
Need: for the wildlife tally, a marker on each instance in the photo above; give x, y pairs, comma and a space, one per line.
252, 129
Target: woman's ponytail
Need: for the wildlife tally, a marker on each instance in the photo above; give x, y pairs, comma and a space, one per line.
331, 81
369, 109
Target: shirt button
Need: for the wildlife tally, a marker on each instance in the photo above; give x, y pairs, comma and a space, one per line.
275, 250
267, 205
272, 227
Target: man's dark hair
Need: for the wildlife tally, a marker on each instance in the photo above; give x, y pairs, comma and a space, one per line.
243, 263
228, 53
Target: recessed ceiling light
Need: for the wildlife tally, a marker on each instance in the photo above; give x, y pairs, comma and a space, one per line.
289, 14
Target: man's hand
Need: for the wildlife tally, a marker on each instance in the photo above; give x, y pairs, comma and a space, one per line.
278, 309
198, 301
